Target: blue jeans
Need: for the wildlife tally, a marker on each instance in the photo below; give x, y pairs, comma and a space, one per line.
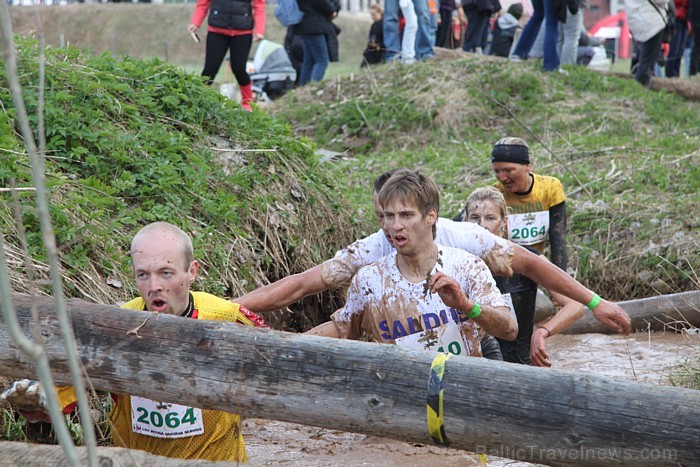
315, 57
543, 10
424, 36
676, 49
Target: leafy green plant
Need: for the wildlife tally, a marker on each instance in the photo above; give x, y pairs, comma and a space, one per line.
129, 142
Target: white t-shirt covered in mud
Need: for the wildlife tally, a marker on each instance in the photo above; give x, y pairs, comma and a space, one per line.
497, 252
383, 304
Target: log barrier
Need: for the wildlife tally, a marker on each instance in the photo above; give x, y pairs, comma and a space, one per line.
672, 311
540, 415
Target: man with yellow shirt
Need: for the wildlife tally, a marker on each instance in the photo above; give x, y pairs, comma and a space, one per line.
536, 203
164, 269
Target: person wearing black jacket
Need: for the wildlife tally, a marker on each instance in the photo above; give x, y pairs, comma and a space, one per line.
375, 52
478, 14
694, 20
319, 37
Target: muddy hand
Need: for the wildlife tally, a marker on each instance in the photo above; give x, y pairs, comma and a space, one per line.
613, 316
449, 290
27, 397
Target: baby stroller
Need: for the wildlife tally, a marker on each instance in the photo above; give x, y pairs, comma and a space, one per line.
271, 71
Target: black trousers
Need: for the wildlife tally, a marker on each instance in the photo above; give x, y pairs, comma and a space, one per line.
648, 54
217, 46
695, 51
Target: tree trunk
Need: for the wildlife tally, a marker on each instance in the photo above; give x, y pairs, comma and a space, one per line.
42, 455
674, 311
533, 414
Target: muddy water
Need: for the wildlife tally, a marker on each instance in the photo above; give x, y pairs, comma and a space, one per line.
645, 357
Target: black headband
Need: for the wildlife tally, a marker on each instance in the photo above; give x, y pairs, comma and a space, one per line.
510, 153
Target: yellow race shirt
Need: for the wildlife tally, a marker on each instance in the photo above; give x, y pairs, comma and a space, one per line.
528, 214
173, 430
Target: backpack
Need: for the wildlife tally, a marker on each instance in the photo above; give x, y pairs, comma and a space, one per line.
288, 13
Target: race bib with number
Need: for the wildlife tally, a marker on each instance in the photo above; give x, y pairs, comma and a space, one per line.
445, 338
529, 228
165, 420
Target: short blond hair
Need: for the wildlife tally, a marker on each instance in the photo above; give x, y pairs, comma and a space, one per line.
166, 227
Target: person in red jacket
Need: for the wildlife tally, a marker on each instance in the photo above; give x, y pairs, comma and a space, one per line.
677, 44
232, 25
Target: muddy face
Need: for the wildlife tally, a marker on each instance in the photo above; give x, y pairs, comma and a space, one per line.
161, 275
379, 211
410, 231
487, 214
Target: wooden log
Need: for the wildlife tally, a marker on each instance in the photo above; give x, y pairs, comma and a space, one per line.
661, 312
42, 455
532, 414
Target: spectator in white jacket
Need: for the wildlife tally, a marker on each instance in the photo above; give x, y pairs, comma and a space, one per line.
647, 21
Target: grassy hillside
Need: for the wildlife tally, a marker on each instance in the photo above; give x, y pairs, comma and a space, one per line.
628, 158
130, 142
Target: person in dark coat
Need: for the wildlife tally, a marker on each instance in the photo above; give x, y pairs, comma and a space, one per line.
504, 30
478, 14
375, 52
295, 51
318, 36
677, 44
694, 20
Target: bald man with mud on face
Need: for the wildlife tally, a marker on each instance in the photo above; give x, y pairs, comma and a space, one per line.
501, 256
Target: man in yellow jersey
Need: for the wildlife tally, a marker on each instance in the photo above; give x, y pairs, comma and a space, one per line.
164, 269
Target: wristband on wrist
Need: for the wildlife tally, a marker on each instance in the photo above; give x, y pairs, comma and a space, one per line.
595, 301
476, 311
549, 333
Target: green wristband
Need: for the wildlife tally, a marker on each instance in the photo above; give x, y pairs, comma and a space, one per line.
595, 301
476, 311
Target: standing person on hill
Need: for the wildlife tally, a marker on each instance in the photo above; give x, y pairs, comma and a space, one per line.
164, 269
423, 41
543, 10
444, 30
295, 52
233, 25
647, 20
318, 36
487, 208
536, 203
570, 34
478, 14
677, 45
694, 21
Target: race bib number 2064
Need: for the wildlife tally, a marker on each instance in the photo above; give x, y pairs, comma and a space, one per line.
528, 229
165, 420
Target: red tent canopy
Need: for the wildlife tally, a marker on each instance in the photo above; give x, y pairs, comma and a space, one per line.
614, 27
